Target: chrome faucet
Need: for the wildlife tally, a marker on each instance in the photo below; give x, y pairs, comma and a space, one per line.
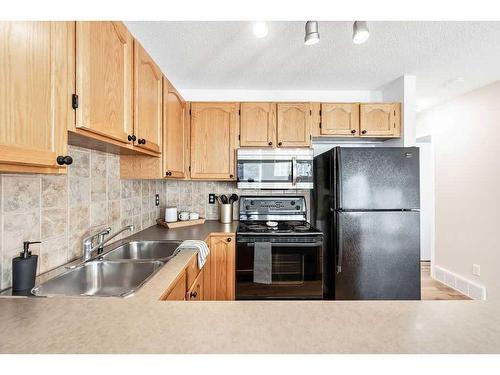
101, 241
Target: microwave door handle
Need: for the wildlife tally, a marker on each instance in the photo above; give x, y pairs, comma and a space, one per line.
294, 171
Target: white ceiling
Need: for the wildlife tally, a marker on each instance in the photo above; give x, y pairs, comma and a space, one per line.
226, 55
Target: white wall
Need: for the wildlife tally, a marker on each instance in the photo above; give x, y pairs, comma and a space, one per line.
403, 90
281, 95
466, 137
426, 197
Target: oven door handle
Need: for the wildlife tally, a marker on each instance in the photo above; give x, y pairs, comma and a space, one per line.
289, 244
294, 171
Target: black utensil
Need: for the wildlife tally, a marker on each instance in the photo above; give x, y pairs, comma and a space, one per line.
233, 198
223, 198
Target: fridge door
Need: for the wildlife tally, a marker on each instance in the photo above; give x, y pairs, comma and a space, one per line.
377, 178
377, 255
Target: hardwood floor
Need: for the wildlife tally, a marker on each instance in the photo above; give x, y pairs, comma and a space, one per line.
434, 290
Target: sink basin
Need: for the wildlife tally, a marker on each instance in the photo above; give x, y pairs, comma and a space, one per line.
100, 278
142, 250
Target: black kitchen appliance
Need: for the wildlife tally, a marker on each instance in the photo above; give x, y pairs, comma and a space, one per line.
294, 250
366, 201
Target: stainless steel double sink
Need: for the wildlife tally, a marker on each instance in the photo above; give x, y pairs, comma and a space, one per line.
118, 272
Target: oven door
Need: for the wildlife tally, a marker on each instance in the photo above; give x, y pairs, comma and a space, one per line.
296, 271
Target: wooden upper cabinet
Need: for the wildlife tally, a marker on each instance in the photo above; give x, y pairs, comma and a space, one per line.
380, 120
222, 267
294, 124
258, 125
104, 74
147, 100
36, 75
175, 132
340, 119
214, 128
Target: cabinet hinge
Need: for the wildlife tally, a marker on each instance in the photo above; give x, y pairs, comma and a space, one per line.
239, 137
74, 101
320, 112
189, 111
394, 112
310, 112
189, 168
320, 124
310, 137
239, 112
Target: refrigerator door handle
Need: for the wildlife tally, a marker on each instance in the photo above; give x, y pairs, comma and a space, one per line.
339, 243
338, 178
294, 171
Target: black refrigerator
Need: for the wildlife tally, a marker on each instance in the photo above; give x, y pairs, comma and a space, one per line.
366, 201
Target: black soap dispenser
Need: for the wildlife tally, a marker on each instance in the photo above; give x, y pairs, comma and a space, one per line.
24, 269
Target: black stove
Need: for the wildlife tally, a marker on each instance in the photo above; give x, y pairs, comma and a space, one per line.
279, 255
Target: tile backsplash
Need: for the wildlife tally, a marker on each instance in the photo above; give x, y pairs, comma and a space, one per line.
61, 210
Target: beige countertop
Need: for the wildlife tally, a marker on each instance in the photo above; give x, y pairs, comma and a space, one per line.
143, 324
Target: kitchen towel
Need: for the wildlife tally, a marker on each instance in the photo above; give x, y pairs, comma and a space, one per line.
200, 246
262, 263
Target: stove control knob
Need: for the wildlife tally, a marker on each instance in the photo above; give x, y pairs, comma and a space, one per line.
252, 203
247, 207
292, 203
297, 207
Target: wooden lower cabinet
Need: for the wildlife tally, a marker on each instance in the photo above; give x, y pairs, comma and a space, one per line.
178, 291
195, 293
222, 263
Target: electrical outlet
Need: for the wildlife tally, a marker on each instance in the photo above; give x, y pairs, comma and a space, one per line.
476, 269
211, 198
157, 199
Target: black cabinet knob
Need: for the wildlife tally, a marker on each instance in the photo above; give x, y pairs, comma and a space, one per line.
194, 294
132, 138
270, 143
353, 131
247, 207
279, 143
231, 176
168, 173
142, 141
64, 160
229, 239
363, 132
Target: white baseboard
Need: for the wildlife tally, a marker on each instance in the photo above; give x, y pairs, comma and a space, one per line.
454, 281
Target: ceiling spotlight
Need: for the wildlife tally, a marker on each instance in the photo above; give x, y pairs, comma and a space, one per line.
360, 32
260, 29
312, 34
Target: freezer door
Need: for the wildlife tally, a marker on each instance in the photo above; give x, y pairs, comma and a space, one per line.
377, 256
372, 178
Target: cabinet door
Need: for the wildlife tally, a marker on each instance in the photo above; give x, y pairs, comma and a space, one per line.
258, 125
104, 57
178, 292
147, 100
37, 66
340, 119
222, 249
380, 120
174, 132
213, 140
195, 292
294, 124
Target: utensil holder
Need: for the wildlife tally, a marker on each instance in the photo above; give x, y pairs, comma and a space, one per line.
226, 213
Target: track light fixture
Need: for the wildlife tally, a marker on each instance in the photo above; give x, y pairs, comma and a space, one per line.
312, 34
360, 32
